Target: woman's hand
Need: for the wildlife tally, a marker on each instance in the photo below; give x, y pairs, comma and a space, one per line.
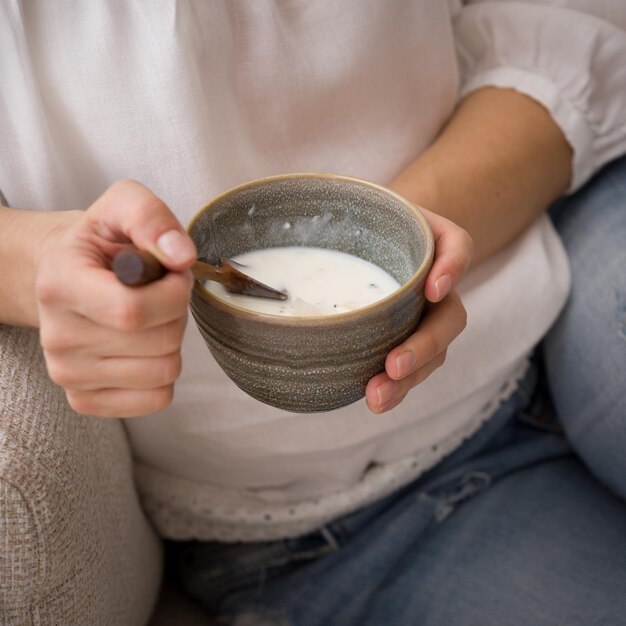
114, 349
422, 353
498, 163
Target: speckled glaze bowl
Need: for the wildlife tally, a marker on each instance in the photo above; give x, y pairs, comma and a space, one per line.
316, 363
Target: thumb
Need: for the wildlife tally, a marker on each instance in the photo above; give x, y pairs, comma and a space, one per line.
128, 211
454, 250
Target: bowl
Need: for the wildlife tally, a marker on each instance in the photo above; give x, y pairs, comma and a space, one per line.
322, 362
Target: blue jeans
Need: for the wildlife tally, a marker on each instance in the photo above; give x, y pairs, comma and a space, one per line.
586, 350
511, 529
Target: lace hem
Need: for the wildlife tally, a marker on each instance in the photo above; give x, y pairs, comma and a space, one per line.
183, 509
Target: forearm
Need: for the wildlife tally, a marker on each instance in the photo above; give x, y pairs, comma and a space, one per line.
23, 236
497, 164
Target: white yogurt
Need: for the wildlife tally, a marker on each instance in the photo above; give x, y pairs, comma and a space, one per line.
318, 281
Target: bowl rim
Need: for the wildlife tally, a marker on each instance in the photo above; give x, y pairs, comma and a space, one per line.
320, 320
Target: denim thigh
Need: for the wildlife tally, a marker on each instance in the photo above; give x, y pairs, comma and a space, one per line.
585, 351
510, 529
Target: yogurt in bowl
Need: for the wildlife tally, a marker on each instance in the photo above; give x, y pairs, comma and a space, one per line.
318, 281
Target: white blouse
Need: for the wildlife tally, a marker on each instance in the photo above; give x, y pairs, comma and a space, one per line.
193, 97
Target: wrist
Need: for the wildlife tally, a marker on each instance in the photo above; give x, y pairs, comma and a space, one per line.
497, 164
25, 239
418, 183
51, 226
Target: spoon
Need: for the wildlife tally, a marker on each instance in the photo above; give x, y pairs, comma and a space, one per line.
139, 267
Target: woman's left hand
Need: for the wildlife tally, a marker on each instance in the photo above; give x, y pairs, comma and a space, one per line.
410, 363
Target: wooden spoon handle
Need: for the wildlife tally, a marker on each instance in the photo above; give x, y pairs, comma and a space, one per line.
140, 267
137, 267
206, 271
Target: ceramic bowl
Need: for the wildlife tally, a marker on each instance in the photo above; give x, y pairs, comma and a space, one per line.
315, 363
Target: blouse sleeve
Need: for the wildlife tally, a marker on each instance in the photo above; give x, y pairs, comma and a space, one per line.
569, 55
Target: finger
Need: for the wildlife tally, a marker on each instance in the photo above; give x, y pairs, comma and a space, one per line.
383, 394
77, 335
129, 308
95, 293
441, 324
130, 211
120, 402
454, 250
80, 374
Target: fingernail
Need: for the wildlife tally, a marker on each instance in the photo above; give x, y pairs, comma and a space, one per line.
176, 246
405, 363
386, 392
442, 286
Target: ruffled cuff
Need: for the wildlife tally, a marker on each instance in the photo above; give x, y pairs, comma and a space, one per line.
571, 121
570, 61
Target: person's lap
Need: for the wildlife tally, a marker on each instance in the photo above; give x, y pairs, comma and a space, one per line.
511, 529
519, 533
544, 545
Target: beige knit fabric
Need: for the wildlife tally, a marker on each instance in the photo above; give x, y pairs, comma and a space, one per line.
75, 547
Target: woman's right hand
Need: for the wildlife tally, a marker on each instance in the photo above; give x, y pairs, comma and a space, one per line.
114, 349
